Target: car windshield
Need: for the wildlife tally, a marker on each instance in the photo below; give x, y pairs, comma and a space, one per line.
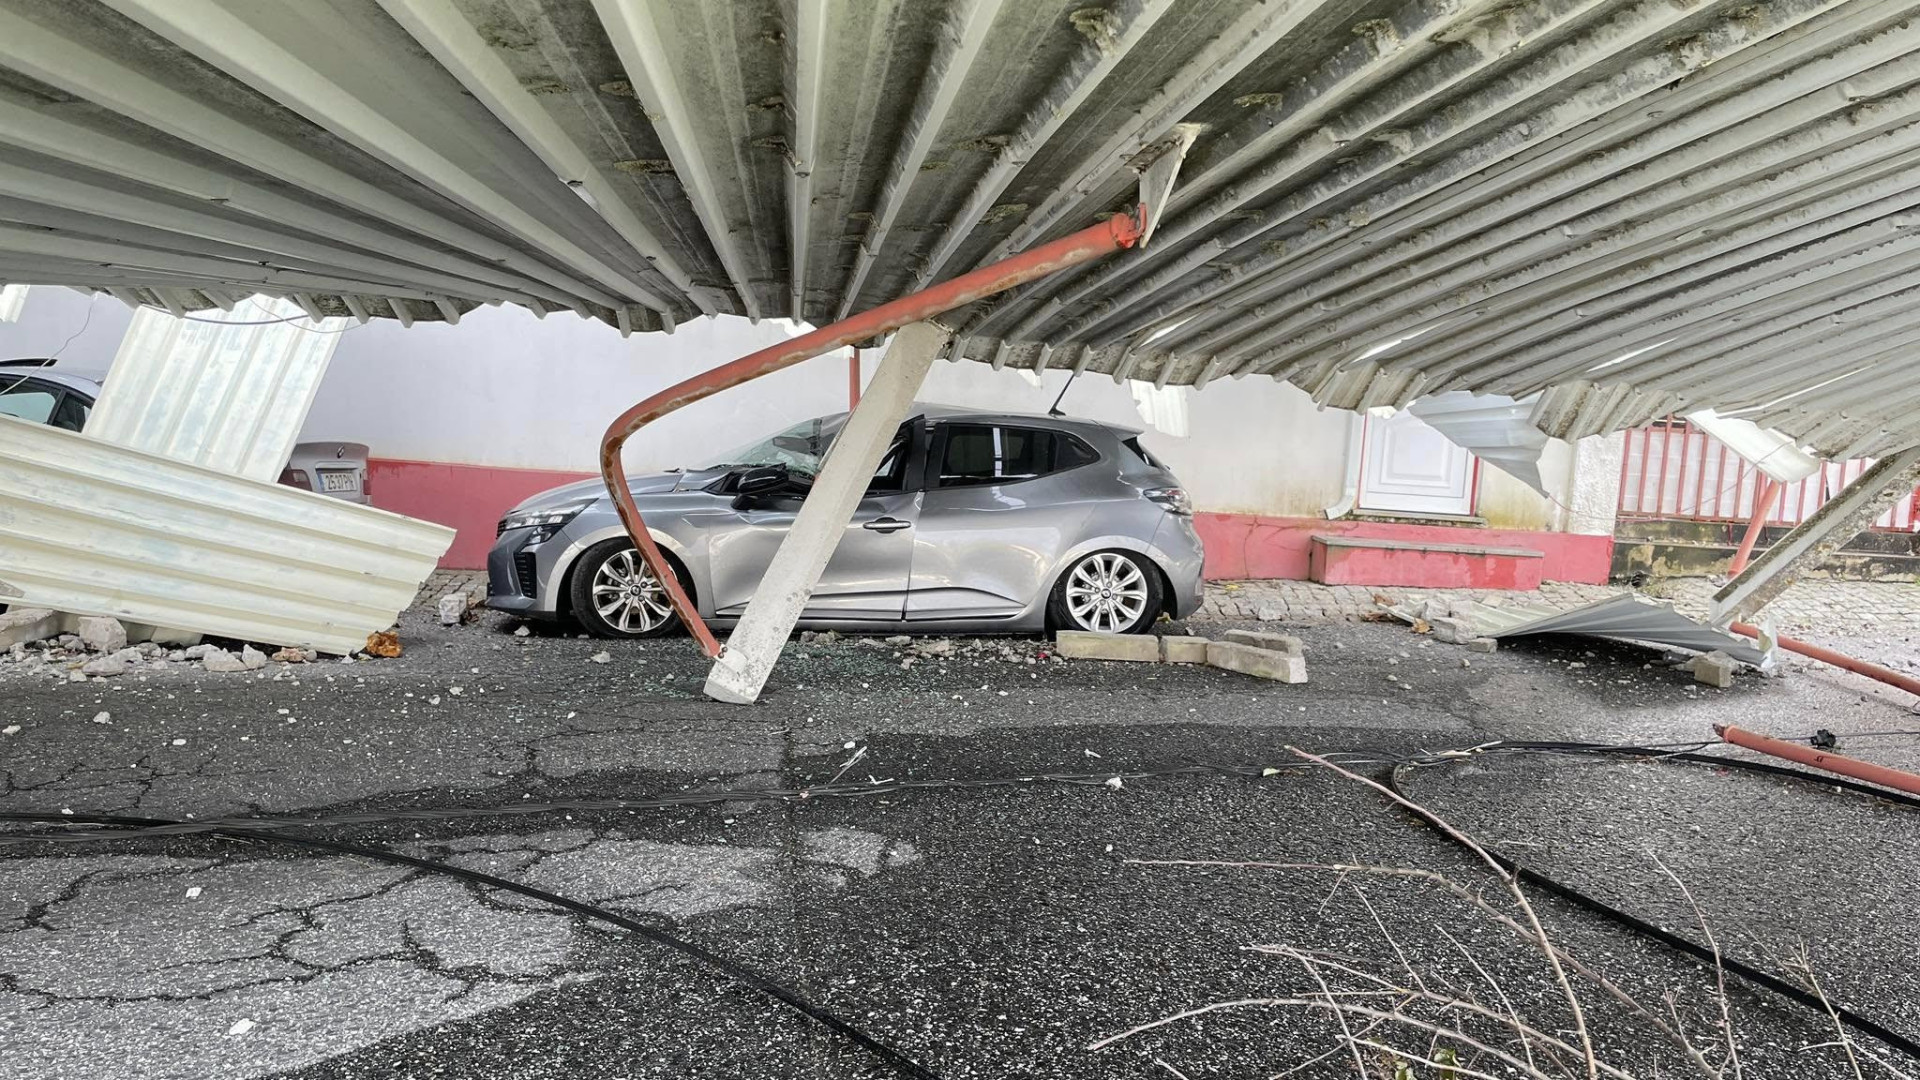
800, 448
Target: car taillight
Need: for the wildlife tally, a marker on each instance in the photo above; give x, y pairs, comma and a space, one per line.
1173, 498
296, 478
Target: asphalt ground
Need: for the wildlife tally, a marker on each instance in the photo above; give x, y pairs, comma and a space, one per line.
982, 931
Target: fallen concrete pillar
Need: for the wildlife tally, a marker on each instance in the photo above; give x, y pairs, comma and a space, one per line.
1841, 519
1081, 645
1257, 662
788, 584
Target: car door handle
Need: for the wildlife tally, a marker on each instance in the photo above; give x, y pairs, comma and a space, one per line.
887, 525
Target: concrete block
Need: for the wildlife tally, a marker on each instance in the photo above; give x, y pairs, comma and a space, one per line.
452, 608
1080, 645
1713, 669
1452, 631
1483, 645
102, 635
1257, 662
21, 625
1176, 649
1285, 644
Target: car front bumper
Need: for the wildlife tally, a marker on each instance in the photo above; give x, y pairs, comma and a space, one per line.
515, 579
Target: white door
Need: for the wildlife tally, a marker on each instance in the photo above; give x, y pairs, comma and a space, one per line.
1410, 468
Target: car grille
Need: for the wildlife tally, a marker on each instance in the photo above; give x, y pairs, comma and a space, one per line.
525, 575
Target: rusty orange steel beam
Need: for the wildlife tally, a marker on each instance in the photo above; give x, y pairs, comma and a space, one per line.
1118, 232
1833, 763
1840, 660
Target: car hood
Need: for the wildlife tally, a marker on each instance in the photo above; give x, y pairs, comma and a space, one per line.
650, 484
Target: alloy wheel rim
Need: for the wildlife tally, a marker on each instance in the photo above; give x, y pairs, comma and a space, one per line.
1106, 593
627, 595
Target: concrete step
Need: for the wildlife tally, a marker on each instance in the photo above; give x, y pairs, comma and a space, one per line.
1352, 560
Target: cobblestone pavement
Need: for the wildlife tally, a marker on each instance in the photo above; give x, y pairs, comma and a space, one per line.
441, 582
1844, 607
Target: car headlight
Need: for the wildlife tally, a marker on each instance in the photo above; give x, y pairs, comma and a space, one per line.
548, 519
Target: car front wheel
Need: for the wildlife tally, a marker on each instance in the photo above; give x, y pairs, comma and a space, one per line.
615, 594
1107, 592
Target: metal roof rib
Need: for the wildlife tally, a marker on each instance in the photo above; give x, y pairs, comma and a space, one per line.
1628, 206
631, 28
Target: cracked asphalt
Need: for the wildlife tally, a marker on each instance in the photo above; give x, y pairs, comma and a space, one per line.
984, 931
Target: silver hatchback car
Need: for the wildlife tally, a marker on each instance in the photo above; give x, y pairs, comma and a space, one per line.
974, 522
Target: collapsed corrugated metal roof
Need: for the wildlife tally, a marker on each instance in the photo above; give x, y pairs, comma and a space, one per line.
1636, 207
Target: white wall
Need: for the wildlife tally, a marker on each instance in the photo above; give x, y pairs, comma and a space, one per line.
81, 331
507, 389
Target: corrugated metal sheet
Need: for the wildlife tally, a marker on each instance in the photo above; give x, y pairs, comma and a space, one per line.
228, 391
1493, 426
98, 529
1640, 207
1626, 617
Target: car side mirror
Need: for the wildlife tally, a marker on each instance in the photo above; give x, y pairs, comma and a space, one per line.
761, 480
753, 483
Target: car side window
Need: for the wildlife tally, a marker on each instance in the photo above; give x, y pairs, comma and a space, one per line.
891, 476
994, 454
31, 402
71, 413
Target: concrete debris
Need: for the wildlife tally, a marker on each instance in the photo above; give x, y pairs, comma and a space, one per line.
103, 635
1180, 649
1713, 669
292, 655
221, 660
1482, 645
453, 608
1286, 644
251, 658
1080, 645
10, 729
195, 652
600, 658
105, 666
22, 625
521, 631
1257, 662
898, 640
103, 718
1450, 630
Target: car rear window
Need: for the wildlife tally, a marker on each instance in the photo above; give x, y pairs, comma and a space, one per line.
1133, 444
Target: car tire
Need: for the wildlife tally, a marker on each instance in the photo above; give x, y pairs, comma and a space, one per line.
630, 602
1107, 592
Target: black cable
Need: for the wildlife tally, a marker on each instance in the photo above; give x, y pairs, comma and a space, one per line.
899, 1062
692, 798
1754, 975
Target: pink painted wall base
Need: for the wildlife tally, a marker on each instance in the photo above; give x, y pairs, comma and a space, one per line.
471, 499
1243, 546
1348, 560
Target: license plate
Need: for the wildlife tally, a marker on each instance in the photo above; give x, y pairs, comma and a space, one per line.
339, 481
